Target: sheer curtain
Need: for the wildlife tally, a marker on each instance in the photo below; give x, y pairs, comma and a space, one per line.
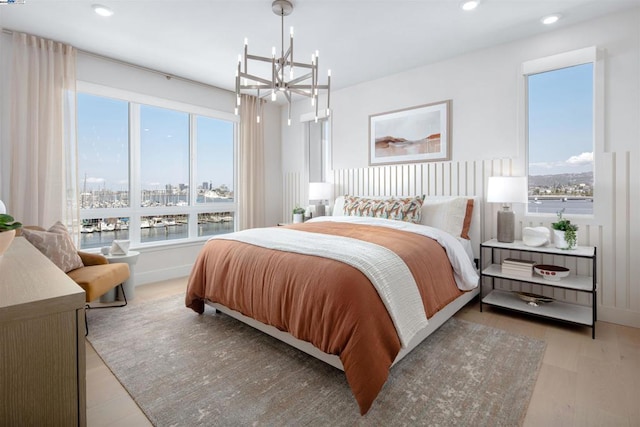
251, 201
42, 127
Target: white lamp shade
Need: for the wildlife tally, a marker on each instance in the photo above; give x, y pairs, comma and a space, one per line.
507, 189
3, 208
320, 190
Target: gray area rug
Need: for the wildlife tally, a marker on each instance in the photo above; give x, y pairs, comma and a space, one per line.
189, 370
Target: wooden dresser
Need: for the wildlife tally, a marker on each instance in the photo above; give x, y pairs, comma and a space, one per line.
42, 346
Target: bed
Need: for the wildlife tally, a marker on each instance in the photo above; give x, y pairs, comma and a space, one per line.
357, 289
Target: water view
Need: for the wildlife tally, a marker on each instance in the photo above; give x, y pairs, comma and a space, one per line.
554, 205
97, 239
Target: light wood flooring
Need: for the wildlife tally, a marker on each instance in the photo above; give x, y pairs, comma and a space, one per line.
582, 382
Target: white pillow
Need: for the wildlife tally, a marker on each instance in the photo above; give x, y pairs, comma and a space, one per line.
445, 214
57, 245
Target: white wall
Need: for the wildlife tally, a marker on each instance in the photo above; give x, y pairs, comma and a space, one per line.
158, 263
486, 104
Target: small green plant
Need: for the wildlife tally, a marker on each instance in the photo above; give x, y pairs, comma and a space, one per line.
569, 229
8, 223
298, 210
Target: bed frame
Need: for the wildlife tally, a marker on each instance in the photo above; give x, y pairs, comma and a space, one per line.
435, 321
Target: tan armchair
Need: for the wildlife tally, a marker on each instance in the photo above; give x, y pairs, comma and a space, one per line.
97, 276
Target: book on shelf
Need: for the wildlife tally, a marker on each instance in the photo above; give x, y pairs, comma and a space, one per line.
518, 262
520, 272
518, 267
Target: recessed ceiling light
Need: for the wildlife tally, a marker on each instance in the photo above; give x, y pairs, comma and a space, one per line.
551, 19
469, 4
102, 10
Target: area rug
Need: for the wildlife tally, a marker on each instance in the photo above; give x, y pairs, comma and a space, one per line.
185, 369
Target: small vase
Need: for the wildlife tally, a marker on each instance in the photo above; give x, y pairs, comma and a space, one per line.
6, 237
297, 218
560, 241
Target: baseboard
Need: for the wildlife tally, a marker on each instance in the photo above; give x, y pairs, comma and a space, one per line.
619, 316
159, 275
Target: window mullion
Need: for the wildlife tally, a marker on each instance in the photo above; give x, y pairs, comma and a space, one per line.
134, 172
193, 152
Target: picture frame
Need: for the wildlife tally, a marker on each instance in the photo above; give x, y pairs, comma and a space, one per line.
411, 135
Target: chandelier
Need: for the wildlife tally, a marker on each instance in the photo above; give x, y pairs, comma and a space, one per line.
283, 78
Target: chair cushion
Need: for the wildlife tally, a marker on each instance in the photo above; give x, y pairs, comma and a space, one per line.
55, 244
96, 280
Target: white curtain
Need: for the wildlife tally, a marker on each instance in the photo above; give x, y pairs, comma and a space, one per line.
42, 127
251, 200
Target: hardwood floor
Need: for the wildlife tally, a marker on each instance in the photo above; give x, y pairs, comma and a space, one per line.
582, 382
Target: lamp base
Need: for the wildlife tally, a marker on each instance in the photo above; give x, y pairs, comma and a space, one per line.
506, 225
320, 211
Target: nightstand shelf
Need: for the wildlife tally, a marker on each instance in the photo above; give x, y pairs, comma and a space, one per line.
559, 310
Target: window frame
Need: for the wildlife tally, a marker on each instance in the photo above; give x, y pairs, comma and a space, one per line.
559, 61
135, 211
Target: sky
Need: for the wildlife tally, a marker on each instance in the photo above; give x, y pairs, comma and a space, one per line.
103, 147
561, 121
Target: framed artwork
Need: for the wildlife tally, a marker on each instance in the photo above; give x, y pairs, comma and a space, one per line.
416, 134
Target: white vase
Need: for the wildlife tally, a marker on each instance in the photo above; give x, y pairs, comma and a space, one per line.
560, 242
6, 237
297, 218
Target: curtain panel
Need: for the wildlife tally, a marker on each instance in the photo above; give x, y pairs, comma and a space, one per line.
251, 200
42, 128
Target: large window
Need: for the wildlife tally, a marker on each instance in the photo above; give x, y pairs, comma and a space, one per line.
153, 171
560, 133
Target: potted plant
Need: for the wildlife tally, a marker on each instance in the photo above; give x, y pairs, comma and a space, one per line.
564, 233
8, 227
298, 214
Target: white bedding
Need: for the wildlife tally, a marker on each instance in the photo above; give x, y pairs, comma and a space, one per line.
387, 271
464, 272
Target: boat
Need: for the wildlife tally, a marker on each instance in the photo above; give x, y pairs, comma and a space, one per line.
170, 222
88, 229
145, 223
107, 227
157, 222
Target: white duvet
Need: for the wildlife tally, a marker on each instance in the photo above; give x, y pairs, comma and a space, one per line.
387, 271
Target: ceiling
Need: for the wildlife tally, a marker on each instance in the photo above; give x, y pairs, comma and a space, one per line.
359, 40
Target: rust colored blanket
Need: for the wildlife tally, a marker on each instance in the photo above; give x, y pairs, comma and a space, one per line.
325, 302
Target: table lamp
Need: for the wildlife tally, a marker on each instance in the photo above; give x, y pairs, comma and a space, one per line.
3, 208
320, 191
506, 190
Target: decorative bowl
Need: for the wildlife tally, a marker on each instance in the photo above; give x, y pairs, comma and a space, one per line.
551, 272
533, 299
535, 236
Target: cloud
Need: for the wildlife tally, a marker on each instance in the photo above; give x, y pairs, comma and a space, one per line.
581, 160
94, 180
546, 165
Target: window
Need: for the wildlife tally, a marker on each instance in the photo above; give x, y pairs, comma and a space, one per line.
164, 156
560, 132
103, 152
153, 171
